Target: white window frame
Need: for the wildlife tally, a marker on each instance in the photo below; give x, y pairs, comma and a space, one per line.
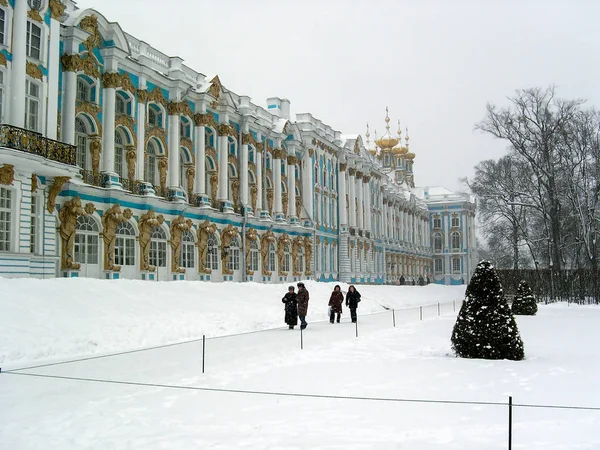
30, 49
31, 100
212, 253
188, 245
456, 265
301, 260
271, 257
286, 258
2, 89
125, 244
437, 222
455, 235
234, 255
150, 163
87, 241
3, 22
84, 90
7, 212
120, 165
437, 236
158, 247
438, 262
455, 221
125, 101
254, 258
35, 224
81, 142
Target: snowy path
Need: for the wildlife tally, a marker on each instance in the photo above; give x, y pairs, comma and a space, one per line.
409, 361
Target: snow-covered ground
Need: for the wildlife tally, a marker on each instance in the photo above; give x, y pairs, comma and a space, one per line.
411, 361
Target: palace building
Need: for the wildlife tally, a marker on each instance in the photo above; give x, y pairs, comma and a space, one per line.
118, 161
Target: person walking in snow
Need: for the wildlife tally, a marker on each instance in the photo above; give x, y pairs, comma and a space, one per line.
291, 308
302, 297
352, 300
335, 304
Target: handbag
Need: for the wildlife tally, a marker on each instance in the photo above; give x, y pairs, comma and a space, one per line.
329, 312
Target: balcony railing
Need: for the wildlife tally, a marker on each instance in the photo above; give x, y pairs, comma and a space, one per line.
89, 178
31, 142
133, 186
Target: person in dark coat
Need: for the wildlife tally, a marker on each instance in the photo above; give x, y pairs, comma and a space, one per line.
291, 308
302, 298
335, 304
352, 300
402, 281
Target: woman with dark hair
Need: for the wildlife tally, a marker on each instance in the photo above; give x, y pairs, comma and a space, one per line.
291, 308
352, 300
335, 304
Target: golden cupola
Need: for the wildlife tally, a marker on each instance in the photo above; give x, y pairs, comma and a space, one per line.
387, 141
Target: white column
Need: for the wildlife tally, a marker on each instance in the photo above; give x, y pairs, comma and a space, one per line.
200, 149
68, 107
367, 203
291, 187
223, 176
173, 173
259, 182
277, 205
359, 196
307, 185
342, 195
108, 128
18, 64
244, 174
351, 197
53, 74
141, 140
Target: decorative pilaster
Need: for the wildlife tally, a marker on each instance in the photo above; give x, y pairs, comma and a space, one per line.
352, 196
141, 138
359, 201
259, 179
222, 194
244, 169
110, 81
175, 184
367, 203
56, 9
277, 207
291, 187
200, 149
18, 64
343, 211
307, 188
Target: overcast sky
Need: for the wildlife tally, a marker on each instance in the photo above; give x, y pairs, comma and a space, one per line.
434, 63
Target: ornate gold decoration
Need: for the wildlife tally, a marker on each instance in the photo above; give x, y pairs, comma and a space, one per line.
3, 60
178, 108
57, 9
178, 226
210, 151
235, 193
254, 196
260, 147
142, 95
343, 167
95, 150
311, 152
190, 173
126, 121
146, 224
34, 183
156, 96
359, 175
351, 171
34, 14
89, 208
227, 234
356, 147
307, 255
4, 2
283, 240
158, 133
68, 215
54, 190
215, 90
279, 153
251, 236
111, 218
162, 173
214, 184
296, 245
85, 63
265, 240
284, 204
299, 205
34, 71
292, 160
111, 80
248, 139
226, 130
204, 120
130, 157
7, 174
204, 231
91, 109
366, 179
270, 200
186, 142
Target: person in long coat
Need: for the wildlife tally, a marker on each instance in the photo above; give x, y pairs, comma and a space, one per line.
335, 304
352, 300
302, 298
291, 308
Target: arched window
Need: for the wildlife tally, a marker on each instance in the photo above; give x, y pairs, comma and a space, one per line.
86, 240
208, 137
271, 267
455, 241
437, 242
300, 262
333, 259
316, 174
212, 253
318, 257
120, 106
120, 153
182, 160
184, 128
150, 163
234, 254
286, 258
155, 116
84, 90
187, 249
254, 255
158, 247
125, 245
81, 139
331, 180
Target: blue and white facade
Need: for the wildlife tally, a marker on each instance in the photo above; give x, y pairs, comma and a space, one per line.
118, 161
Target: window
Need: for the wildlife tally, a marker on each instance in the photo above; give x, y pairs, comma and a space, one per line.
86, 240
212, 253
455, 221
5, 219
234, 254
316, 174
150, 164
125, 245
455, 265
184, 128
437, 222
437, 242
81, 141
455, 241
120, 106
300, 262
34, 40
2, 25
84, 90
119, 154
438, 265
34, 226
271, 267
187, 250
158, 247
254, 256
154, 116
318, 257
182, 177
286, 258
1, 90
32, 104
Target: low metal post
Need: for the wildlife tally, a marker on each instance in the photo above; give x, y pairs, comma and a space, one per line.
439, 311
203, 350
356, 327
420, 313
301, 339
510, 423
394, 317
454, 305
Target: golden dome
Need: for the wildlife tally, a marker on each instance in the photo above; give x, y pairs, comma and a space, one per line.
410, 156
373, 152
387, 142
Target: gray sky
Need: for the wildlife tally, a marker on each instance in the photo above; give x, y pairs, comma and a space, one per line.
435, 63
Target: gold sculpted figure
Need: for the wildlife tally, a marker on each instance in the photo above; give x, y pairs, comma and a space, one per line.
68, 215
